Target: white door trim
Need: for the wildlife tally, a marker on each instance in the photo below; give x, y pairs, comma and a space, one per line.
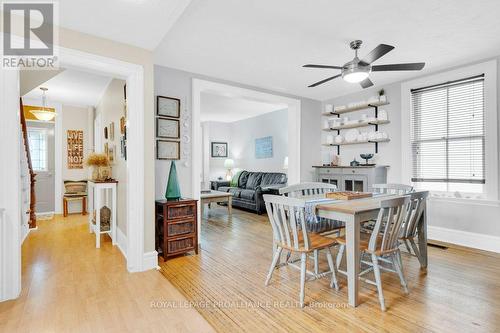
10, 284
294, 110
10, 191
134, 75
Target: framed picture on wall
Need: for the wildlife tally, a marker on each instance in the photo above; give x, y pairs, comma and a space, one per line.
112, 154
264, 147
168, 128
122, 125
112, 131
168, 150
219, 149
123, 147
168, 107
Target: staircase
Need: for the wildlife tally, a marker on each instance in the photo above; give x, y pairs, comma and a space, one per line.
27, 179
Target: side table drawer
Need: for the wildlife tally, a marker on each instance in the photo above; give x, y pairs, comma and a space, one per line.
180, 245
181, 211
181, 227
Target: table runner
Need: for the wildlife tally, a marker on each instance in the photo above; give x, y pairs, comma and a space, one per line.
318, 224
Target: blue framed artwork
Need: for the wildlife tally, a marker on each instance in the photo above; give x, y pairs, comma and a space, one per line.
264, 147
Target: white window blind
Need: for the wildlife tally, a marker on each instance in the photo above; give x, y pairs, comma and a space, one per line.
447, 132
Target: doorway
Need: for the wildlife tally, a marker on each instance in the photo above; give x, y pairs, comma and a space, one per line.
10, 286
293, 122
42, 145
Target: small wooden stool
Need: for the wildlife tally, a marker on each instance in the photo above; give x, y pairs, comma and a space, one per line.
70, 198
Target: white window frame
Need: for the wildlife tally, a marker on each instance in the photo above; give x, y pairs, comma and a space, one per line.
46, 150
489, 69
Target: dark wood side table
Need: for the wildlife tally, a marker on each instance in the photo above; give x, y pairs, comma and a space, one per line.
176, 227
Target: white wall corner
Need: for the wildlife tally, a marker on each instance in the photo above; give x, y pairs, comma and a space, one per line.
150, 261
464, 238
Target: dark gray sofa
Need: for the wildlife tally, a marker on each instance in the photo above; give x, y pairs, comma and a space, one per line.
251, 187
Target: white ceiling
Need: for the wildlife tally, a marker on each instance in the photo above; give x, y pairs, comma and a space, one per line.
73, 87
227, 109
264, 43
141, 23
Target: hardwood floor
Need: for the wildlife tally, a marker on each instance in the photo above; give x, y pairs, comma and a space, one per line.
70, 286
458, 293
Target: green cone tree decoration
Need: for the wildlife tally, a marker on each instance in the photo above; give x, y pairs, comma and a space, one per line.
173, 191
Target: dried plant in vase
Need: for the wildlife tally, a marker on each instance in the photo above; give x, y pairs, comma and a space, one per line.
99, 163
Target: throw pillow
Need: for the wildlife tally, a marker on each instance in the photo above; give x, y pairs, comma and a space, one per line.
234, 180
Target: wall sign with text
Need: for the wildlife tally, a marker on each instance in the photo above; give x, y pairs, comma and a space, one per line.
75, 149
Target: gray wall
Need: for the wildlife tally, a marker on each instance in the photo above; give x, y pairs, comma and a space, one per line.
389, 153
176, 83
110, 107
241, 135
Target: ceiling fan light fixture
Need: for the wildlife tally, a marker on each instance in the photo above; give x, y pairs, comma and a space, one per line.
355, 77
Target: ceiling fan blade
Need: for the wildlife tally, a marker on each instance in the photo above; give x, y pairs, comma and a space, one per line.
323, 81
377, 53
322, 66
366, 83
416, 66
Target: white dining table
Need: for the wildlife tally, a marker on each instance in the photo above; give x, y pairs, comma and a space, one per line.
353, 213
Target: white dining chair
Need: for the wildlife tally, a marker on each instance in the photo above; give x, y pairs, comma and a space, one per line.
382, 245
411, 223
312, 190
307, 189
287, 218
392, 188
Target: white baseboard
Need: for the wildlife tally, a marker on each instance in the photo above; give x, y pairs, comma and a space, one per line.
464, 238
121, 241
149, 260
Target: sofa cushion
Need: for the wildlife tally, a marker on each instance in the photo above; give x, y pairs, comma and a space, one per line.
247, 194
254, 179
242, 181
235, 191
270, 178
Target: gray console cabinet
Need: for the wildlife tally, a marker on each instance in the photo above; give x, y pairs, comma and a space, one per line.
352, 178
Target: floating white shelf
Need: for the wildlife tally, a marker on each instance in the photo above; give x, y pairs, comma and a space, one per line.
355, 142
357, 125
354, 108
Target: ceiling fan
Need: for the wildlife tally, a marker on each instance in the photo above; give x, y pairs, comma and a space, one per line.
357, 70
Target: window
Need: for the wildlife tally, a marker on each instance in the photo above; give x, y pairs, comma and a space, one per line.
37, 139
448, 136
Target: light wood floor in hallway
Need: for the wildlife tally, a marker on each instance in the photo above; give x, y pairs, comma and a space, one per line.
70, 286
459, 292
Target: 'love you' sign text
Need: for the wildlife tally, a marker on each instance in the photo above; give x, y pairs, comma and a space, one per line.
75, 149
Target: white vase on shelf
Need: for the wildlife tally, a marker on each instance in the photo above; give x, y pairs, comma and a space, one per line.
382, 115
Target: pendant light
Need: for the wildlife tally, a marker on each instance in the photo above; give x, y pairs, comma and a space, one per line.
44, 114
